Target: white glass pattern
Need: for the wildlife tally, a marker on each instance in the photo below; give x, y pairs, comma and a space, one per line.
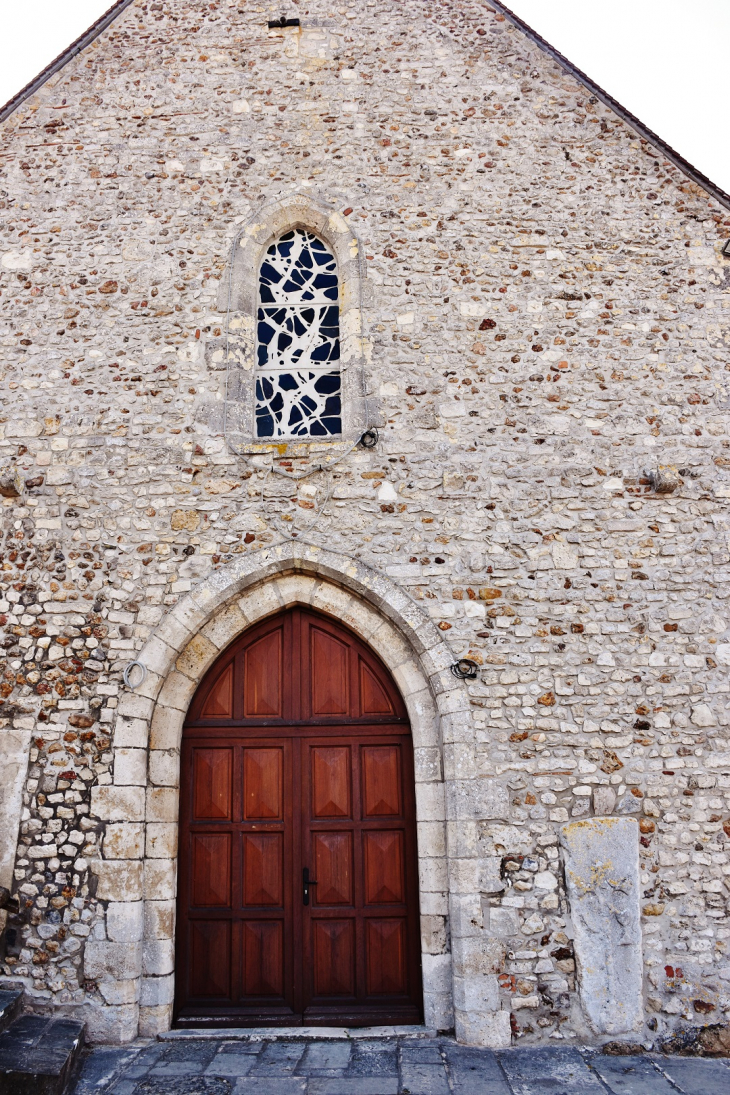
298, 387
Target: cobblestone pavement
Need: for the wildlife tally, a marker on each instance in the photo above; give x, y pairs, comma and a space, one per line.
385, 1066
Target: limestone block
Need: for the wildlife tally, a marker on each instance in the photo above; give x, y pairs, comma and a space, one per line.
162, 804
118, 880
164, 767
104, 961
427, 764
166, 729
177, 691
196, 657
481, 799
135, 706
431, 838
604, 800
158, 957
120, 992
157, 991
464, 876
502, 921
14, 747
159, 919
476, 993
438, 1010
430, 802
113, 803
159, 880
131, 733
225, 626
465, 914
125, 921
602, 876
130, 767
111, 1025
437, 972
433, 934
161, 840
433, 874
124, 841
491, 1029
154, 1021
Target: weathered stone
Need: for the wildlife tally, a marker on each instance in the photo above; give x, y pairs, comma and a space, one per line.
602, 876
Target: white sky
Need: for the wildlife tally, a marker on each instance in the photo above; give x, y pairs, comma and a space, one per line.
664, 60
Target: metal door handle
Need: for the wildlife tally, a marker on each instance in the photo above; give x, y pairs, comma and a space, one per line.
306, 883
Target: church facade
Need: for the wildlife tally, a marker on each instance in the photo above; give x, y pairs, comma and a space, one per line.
364, 467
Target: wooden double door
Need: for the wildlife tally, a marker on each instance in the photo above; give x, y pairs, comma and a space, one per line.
298, 888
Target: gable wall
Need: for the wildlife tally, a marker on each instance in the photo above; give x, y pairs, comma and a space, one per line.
545, 326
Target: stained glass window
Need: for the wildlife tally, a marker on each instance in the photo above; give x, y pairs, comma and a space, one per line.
298, 383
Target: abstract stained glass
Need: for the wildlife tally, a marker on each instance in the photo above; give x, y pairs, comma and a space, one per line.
298, 383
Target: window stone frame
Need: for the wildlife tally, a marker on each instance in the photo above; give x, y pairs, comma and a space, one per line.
239, 298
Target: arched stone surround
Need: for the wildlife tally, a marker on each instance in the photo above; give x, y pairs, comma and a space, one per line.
134, 965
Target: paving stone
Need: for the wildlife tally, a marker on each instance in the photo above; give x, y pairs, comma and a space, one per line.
231, 1064
560, 1071
373, 1059
279, 1058
325, 1059
355, 1085
188, 1085
38, 1054
424, 1079
631, 1075
695, 1076
475, 1071
270, 1085
99, 1067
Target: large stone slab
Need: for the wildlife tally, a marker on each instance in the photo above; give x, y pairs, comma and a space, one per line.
602, 876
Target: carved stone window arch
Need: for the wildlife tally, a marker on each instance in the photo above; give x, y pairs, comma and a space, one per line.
294, 362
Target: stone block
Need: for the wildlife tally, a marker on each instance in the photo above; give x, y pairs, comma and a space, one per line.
478, 993
177, 692
130, 767
164, 767
159, 880
120, 992
161, 842
111, 1025
118, 880
125, 921
604, 800
159, 919
166, 728
489, 1029
602, 877
158, 957
131, 733
430, 802
157, 991
106, 961
154, 1020
437, 973
123, 840
225, 626
162, 804
438, 1011
431, 838
502, 921
433, 934
114, 803
196, 657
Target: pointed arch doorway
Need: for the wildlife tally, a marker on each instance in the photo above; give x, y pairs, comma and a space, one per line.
298, 878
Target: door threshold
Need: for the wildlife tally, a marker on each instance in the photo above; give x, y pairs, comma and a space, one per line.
292, 1034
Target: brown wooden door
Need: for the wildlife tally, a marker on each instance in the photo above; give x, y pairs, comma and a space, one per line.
297, 757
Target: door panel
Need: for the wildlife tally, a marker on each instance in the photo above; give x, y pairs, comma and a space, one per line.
263, 882
262, 788
297, 755
331, 782
334, 958
211, 874
212, 784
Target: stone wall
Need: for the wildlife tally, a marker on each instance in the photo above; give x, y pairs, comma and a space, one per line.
545, 341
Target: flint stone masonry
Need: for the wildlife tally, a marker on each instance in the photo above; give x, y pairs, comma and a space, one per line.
536, 326
602, 877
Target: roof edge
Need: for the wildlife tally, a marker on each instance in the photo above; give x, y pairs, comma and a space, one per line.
62, 60
644, 131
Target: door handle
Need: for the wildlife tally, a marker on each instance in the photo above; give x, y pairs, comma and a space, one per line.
306, 883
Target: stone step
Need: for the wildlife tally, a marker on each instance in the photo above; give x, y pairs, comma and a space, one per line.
38, 1055
11, 1002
